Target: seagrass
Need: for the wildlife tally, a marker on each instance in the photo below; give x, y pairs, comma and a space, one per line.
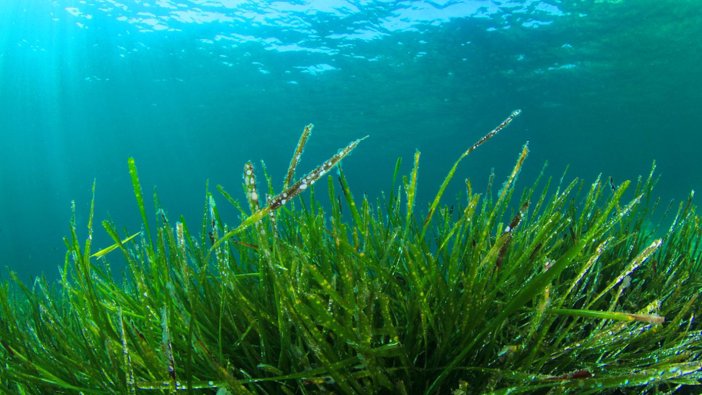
563, 287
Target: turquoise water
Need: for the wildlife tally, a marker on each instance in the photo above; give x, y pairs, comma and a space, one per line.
193, 89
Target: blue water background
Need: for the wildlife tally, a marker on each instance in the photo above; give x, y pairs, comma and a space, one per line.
193, 89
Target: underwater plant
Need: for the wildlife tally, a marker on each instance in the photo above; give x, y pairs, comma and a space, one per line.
566, 290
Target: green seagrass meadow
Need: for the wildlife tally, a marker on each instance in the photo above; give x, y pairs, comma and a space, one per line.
558, 287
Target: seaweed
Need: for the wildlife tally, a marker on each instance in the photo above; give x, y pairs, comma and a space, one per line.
556, 291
